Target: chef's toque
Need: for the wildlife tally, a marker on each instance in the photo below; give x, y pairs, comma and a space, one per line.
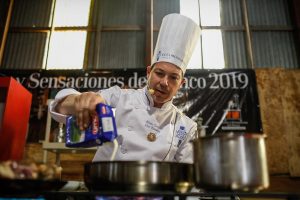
176, 40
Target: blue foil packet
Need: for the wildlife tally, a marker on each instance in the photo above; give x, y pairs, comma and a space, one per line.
101, 129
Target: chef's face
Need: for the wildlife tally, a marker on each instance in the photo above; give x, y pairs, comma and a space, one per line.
165, 79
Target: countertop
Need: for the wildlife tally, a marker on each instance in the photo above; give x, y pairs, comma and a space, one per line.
81, 195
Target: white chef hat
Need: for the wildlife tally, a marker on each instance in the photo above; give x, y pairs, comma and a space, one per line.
176, 40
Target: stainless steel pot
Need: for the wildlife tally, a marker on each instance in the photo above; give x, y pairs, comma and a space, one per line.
138, 176
231, 161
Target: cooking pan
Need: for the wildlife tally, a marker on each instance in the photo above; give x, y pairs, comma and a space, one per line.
231, 161
138, 176
12, 186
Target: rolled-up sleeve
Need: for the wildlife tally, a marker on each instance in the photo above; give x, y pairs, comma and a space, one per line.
59, 96
111, 95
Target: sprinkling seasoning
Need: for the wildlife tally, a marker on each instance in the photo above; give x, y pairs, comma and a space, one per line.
102, 129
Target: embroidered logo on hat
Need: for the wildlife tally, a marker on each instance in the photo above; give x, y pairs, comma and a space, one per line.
158, 55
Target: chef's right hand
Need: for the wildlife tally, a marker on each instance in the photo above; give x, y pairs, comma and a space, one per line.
82, 106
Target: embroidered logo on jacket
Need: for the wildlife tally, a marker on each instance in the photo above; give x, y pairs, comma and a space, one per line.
180, 134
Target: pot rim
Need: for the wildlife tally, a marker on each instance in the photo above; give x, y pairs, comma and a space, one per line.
227, 135
137, 162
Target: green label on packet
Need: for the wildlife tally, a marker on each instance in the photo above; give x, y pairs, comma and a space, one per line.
77, 135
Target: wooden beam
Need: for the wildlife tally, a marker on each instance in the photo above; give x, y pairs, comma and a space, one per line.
7, 22
294, 6
248, 35
149, 32
88, 37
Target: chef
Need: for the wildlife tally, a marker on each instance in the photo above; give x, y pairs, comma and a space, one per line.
149, 126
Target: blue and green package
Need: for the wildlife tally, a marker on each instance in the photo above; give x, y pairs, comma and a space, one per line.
101, 129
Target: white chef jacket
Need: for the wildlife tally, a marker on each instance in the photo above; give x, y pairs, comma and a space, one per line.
135, 119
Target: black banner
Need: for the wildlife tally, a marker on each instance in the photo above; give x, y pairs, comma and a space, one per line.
218, 100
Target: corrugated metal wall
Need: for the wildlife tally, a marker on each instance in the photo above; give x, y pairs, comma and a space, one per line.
162, 8
235, 49
117, 49
268, 12
274, 49
270, 48
234, 42
123, 49
25, 50
231, 13
126, 48
31, 13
